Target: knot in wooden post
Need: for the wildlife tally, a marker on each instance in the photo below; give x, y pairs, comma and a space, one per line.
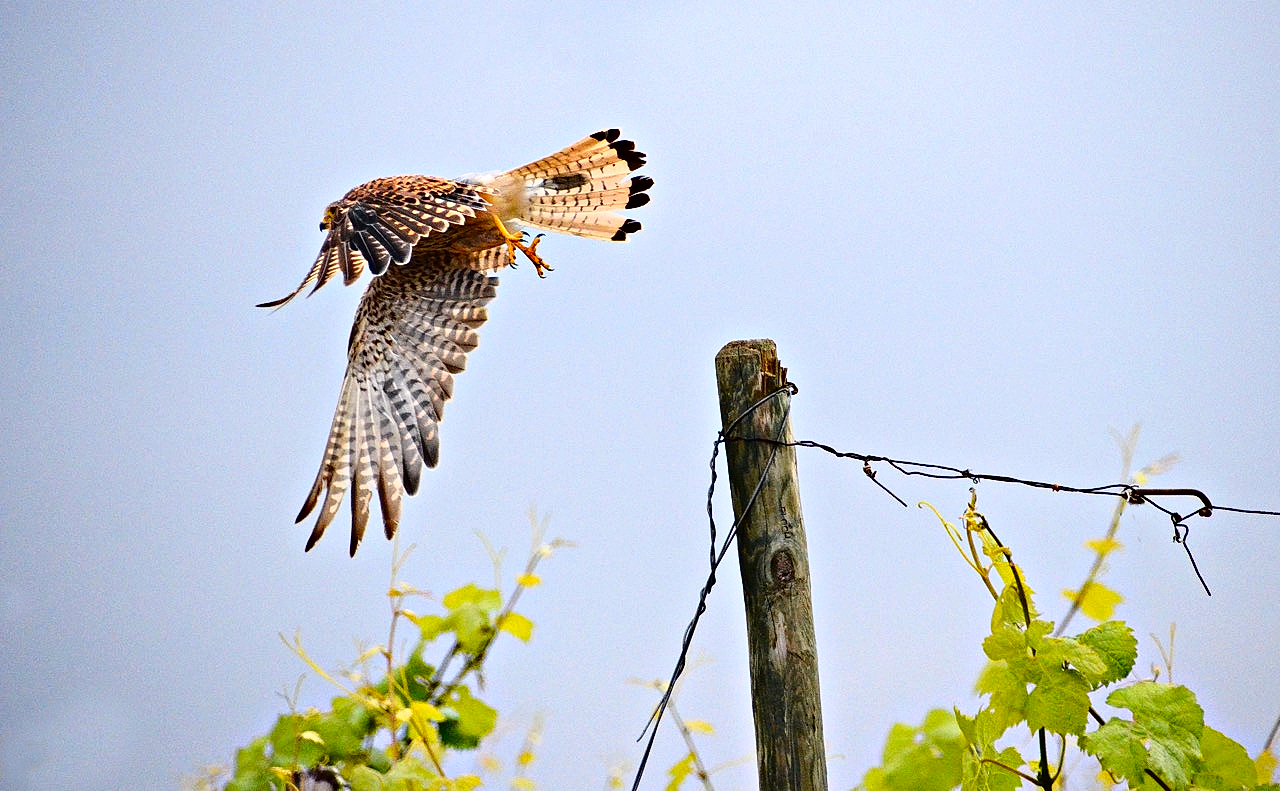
784, 568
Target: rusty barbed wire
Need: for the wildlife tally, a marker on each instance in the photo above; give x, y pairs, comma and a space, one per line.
1136, 495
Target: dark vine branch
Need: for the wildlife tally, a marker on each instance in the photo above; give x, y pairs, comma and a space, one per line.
1042, 779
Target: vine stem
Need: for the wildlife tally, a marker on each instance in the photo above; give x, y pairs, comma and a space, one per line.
1271, 738
388, 651
701, 769
1008, 768
1042, 773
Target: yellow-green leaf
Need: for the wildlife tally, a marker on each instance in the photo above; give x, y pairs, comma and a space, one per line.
311, 736
516, 624
528, 580
679, 772
1096, 600
432, 626
1223, 762
471, 720
426, 711
472, 626
486, 599
1115, 643
1059, 703
1008, 694
365, 779
1266, 766
1103, 545
699, 726
1078, 655
420, 714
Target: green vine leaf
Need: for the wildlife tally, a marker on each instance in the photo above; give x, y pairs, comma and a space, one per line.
344, 728
1069, 651
287, 745
983, 767
410, 774
409, 679
1225, 765
362, 778
431, 626
485, 599
470, 720
1005, 642
1009, 610
1115, 644
1007, 694
992, 773
920, 758
253, 768
1164, 735
1059, 671
1060, 702
470, 616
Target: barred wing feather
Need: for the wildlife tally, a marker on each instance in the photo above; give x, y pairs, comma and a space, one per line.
413, 330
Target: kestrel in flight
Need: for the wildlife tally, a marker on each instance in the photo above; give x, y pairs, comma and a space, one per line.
430, 244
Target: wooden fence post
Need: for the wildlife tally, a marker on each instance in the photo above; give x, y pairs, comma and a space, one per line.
773, 556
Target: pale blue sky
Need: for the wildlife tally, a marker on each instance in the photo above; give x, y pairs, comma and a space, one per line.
981, 237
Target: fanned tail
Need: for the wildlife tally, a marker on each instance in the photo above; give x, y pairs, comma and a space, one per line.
580, 189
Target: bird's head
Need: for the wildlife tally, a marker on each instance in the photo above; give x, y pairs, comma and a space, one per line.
330, 215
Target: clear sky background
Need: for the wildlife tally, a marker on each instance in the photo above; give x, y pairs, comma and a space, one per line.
981, 237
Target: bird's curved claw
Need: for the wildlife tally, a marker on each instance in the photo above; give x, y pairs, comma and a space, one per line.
531, 253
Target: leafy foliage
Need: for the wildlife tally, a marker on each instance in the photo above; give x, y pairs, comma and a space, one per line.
394, 729
925, 757
393, 733
1043, 680
1163, 737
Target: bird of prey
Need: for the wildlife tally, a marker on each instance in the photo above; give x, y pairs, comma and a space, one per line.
430, 244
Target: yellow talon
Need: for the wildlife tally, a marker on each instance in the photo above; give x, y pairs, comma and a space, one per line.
515, 241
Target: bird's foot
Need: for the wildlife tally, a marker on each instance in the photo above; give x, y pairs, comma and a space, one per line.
516, 242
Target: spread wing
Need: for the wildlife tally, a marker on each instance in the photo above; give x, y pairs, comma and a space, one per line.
378, 224
412, 332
